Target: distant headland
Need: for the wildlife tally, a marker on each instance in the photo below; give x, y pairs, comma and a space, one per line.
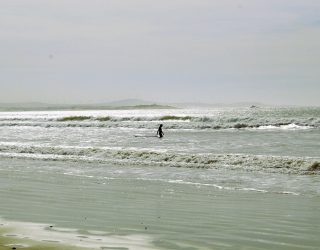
51, 107
126, 104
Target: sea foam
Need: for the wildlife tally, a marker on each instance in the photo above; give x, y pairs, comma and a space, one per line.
268, 163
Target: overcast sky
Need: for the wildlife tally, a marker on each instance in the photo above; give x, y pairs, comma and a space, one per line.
76, 51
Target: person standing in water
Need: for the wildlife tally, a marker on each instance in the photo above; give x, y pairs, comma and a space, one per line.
160, 132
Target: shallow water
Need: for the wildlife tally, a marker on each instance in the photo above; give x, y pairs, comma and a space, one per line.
208, 184
176, 208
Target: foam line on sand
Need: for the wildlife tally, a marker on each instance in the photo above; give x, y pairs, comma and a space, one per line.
34, 236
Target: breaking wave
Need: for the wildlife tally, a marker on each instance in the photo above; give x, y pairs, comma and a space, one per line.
171, 122
119, 156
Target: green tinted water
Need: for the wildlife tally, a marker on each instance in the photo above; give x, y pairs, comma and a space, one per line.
162, 211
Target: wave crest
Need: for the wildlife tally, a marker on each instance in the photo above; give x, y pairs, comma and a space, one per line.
120, 156
169, 122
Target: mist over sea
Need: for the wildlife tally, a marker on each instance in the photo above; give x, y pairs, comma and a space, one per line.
220, 178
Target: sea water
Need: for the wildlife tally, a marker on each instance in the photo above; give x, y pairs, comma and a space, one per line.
223, 178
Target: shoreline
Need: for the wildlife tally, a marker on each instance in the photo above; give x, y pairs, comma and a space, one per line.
38, 236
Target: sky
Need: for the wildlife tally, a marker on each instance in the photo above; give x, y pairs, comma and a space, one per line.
213, 51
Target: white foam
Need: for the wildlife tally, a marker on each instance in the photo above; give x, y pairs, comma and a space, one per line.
64, 236
291, 126
245, 189
133, 156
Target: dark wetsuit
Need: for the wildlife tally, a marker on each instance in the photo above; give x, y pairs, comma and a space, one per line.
160, 132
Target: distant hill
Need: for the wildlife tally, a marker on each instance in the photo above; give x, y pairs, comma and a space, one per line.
110, 106
128, 102
120, 104
137, 102
215, 105
151, 106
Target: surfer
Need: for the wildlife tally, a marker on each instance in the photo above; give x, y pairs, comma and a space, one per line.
160, 132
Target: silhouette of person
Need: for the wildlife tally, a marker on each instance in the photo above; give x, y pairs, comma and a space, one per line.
160, 132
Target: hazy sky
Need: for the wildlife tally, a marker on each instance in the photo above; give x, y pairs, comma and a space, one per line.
76, 51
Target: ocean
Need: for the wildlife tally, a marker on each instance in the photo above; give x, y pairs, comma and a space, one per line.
220, 178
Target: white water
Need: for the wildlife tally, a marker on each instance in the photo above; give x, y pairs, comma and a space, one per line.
219, 179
